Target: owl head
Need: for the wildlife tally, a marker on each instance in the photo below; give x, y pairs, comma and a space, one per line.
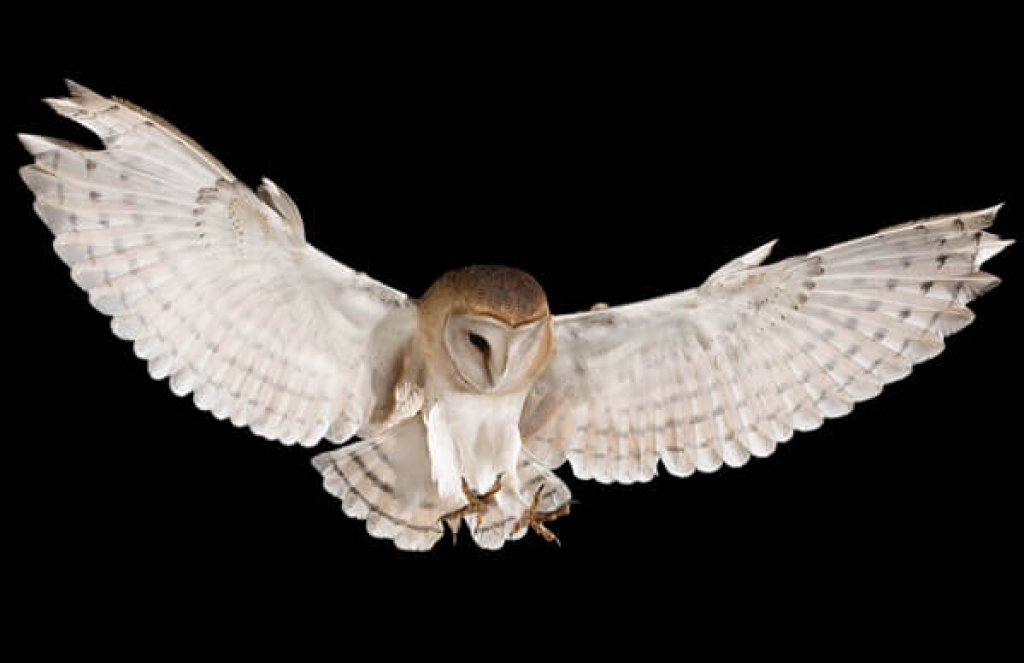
486, 329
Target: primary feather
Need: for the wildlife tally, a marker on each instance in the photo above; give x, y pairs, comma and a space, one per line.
220, 293
217, 289
714, 375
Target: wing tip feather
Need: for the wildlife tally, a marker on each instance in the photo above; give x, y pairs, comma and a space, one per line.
994, 210
28, 173
989, 250
63, 106
35, 144
78, 90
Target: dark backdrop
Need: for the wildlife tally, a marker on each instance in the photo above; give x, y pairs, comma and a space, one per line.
610, 175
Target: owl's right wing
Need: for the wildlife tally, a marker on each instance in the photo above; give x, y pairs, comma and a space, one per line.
215, 284
727, 370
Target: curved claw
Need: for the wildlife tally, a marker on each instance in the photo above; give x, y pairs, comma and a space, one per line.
536, 519
475, 504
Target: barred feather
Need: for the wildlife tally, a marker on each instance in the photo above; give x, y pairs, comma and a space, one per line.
218, 291
386, 481
216, 288
718, 374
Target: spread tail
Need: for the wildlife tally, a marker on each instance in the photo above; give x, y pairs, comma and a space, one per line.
386, 481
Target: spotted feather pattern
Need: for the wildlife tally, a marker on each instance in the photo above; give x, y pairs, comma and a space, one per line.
215, 285
726, 371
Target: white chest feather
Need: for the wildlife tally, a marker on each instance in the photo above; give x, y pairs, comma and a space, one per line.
470, 436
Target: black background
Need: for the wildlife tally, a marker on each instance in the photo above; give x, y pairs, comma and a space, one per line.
613, 171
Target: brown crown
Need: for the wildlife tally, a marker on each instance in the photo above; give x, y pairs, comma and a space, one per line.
508, 294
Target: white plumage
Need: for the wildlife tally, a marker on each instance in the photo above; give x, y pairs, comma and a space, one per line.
713, 375
477, 383
217, 289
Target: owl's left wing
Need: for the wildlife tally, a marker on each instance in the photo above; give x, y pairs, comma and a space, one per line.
727, 370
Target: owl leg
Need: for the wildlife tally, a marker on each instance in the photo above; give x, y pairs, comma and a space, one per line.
476, 504
537, 519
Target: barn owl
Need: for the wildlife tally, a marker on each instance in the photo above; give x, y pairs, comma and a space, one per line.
465, 400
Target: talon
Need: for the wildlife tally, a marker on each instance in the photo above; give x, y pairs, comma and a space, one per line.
476, 505
536, 519
488, 496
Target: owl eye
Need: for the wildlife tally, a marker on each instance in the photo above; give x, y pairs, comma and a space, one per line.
479, 342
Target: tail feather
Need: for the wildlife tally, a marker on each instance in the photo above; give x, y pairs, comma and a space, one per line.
379, 481
386, 482
499, 523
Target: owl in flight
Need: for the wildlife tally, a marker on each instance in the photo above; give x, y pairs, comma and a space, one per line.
466, 399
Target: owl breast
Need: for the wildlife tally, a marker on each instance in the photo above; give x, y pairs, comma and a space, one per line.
472, 436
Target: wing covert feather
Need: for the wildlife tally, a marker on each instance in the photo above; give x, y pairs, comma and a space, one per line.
216, 286
726, 371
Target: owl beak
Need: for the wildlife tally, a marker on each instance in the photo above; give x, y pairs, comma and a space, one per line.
497, 365
507, 353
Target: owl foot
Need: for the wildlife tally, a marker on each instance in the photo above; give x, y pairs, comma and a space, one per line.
536, 519
476, 505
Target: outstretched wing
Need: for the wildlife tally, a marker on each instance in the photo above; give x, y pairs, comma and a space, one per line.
215, 285
718, 373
